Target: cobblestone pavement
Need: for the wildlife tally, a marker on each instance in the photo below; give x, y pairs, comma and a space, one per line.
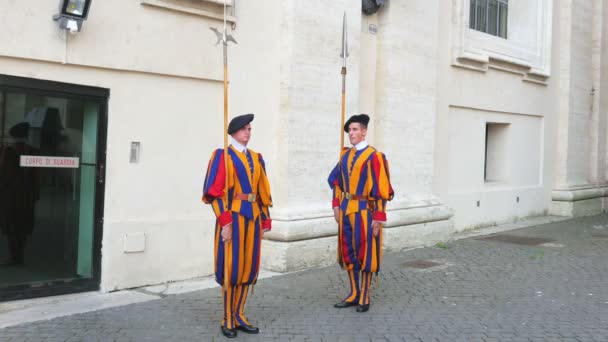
484, 290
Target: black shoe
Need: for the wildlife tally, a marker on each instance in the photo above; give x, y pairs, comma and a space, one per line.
230, 333
344, 304
363, 308
250, 329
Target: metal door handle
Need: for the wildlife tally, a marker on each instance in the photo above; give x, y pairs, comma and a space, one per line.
100, 176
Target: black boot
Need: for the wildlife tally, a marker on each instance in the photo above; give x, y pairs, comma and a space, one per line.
248, 328
363, 308
344, 304
230, 333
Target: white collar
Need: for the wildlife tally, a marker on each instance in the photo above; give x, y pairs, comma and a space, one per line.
238, 146
361, 145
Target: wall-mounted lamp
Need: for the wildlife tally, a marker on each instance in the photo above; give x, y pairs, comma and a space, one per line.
72, 13
372, 6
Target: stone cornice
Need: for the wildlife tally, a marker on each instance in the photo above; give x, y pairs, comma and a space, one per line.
574, 195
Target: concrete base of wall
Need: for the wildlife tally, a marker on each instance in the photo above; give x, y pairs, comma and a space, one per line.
580, 202
303, 244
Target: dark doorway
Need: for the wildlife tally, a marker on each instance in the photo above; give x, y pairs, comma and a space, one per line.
52, 157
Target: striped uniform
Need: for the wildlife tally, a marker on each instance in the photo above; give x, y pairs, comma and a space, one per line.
363, 174
237, 262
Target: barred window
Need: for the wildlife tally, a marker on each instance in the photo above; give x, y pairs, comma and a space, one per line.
489, 16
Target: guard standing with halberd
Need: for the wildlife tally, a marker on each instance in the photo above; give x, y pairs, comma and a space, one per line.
242, 218
361, 187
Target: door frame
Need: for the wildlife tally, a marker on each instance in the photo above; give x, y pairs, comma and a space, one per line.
74, 91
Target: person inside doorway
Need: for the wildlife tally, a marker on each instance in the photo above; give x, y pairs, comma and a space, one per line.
19, 192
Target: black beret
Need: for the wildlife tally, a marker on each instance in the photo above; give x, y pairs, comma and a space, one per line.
239, 122
19, 130
361, 118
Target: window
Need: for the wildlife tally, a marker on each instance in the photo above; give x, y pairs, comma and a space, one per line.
522, 43
204, 8
489, 16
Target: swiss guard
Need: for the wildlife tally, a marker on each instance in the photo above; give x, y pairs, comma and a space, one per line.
361, 188
240, 204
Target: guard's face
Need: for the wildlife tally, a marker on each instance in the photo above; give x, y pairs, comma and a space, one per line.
243, 135
356, 133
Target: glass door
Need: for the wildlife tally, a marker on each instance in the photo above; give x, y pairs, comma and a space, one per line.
49, 184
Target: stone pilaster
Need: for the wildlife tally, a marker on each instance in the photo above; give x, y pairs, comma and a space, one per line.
580, 184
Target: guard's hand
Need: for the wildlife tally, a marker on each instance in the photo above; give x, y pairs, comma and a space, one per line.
337, 214
227, 232
376, 226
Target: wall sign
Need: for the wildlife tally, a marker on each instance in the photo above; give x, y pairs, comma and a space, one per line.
44, 161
